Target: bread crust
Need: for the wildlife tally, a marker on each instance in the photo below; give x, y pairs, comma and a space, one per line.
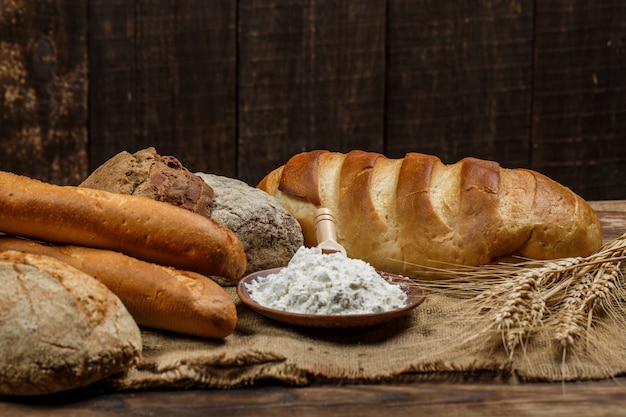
137, 226
148, 174
300, 178
472, 212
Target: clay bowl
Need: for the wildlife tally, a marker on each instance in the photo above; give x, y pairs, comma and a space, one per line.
415, 296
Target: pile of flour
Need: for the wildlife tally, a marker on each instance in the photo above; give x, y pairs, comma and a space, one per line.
316, 283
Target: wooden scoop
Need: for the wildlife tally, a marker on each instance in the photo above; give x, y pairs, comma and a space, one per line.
325, 232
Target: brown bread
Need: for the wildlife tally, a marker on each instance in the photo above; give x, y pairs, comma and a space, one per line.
148, 174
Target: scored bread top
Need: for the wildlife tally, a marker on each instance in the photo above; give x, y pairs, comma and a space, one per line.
398, 214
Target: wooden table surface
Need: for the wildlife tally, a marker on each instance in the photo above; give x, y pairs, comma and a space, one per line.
483, 395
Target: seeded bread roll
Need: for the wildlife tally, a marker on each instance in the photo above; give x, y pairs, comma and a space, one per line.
150, 230
60, 328
156, 296
403, 214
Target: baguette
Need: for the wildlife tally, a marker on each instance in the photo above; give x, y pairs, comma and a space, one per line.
404, 214
155, 296
137, 226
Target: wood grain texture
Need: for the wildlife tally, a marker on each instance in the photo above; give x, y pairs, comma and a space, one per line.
311, 75
579, 99
612, 214
43, 89
589, 399
459, 79
163, 74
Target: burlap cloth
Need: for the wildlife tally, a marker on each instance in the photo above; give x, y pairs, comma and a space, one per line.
434, 338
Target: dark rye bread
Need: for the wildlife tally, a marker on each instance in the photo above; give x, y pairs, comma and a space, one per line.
147, 174
60, 329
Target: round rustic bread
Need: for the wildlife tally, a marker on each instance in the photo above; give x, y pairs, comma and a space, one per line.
60, 329
269, 233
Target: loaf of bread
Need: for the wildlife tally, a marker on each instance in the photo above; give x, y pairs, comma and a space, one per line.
148, 174
404, 214
150, 230
269, 233
156, 296
60, 328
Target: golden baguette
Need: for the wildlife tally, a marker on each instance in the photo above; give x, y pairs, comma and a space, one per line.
399, 214
137, 226
155, 296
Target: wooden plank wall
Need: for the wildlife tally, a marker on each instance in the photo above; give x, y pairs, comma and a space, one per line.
235, 87
43, 89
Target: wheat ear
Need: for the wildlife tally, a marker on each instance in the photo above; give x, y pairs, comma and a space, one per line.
518, 307
594, 292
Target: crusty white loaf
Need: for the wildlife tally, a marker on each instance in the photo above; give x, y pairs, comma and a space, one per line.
156, 296
137, 226
416, 211
60, 329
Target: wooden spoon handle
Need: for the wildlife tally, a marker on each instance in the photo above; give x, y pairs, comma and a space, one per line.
326, 233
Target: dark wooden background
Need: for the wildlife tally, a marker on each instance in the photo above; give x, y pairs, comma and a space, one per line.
235, 87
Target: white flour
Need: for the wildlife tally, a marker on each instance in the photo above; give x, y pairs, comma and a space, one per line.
316, 283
